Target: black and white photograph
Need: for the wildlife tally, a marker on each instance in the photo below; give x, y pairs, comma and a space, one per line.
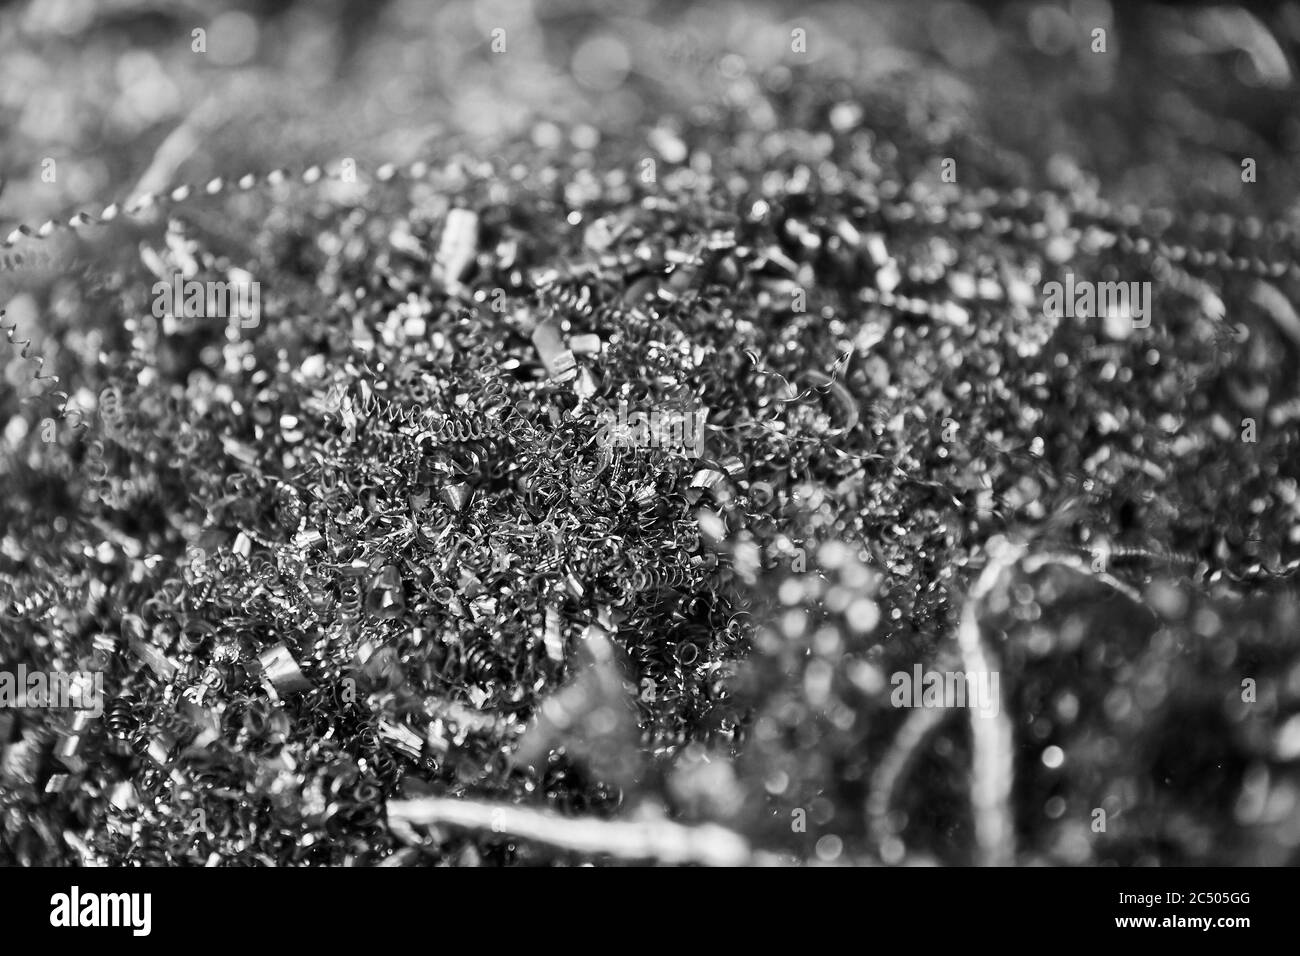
627, 434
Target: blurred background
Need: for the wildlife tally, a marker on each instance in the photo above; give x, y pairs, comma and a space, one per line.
126, 96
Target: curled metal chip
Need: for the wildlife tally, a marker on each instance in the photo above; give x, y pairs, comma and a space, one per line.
559, 360
279, 667
707, 478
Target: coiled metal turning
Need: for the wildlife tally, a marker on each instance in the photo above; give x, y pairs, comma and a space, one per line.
120, 718
495, 394
63, 410
654, 578
461, 429
450, 428
168, 721
573, 298
480, 661
194, 634
350, 603
24, 347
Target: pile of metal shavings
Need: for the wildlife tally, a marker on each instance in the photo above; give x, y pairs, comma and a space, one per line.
347, 555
